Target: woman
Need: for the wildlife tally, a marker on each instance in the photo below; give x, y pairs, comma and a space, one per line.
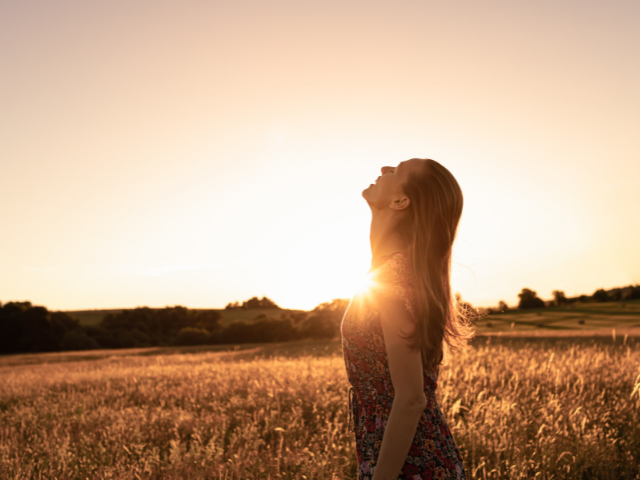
395, 335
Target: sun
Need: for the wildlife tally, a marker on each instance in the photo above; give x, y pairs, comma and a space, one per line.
364, 284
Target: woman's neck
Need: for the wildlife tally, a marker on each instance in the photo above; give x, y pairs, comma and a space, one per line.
382, 236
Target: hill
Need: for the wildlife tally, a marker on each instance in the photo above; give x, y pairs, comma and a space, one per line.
566, 319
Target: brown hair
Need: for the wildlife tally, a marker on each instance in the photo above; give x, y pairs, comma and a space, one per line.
429, 228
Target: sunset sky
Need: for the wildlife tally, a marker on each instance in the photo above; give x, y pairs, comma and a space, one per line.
197, 153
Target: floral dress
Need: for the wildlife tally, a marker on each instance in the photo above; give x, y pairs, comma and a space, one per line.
433, 453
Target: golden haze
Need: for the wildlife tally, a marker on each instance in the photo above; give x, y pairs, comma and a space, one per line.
197, 153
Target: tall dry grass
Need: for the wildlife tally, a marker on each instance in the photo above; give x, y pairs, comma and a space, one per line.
518, 409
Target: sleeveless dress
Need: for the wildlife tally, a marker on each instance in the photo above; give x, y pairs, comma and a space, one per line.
433, 453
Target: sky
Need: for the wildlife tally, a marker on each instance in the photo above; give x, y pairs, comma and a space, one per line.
197, 153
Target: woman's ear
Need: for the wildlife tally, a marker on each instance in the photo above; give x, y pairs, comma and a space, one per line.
400, 203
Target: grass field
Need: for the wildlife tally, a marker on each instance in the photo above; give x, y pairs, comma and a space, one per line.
571, 319
519, 408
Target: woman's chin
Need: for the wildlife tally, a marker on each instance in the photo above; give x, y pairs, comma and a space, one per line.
365, 192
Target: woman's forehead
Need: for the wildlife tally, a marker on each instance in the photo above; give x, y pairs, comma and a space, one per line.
414, 163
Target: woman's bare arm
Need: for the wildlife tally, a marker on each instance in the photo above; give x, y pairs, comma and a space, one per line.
409, 401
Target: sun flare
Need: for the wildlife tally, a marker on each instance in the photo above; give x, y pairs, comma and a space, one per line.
365, 284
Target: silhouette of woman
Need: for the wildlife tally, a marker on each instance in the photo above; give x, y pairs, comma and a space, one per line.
396, 334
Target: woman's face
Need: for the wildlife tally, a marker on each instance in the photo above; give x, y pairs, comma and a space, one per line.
387, 192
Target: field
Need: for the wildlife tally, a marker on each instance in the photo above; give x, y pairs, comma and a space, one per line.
519, 408
570, 319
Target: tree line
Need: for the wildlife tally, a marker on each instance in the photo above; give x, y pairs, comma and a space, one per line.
27, 328
253, 302
529, 299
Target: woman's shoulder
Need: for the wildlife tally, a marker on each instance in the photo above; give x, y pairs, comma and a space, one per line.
392, 279
392, 268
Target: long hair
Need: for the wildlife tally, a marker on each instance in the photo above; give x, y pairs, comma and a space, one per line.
429, 228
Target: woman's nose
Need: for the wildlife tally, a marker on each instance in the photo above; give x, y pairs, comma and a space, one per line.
385, 169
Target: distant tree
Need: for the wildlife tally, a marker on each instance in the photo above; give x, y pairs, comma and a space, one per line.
256, 302
141, 338
105, 338
206, 319
125, 338
600, 295
38, 330
529, 299
559, 297
12, 335
634, 292
78, 340
192, 336
236, 332
148, 327
263, 329
63, 322
28, 328
324, 320
615, 294
253, 302
295, 317
502, 306
274, 330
